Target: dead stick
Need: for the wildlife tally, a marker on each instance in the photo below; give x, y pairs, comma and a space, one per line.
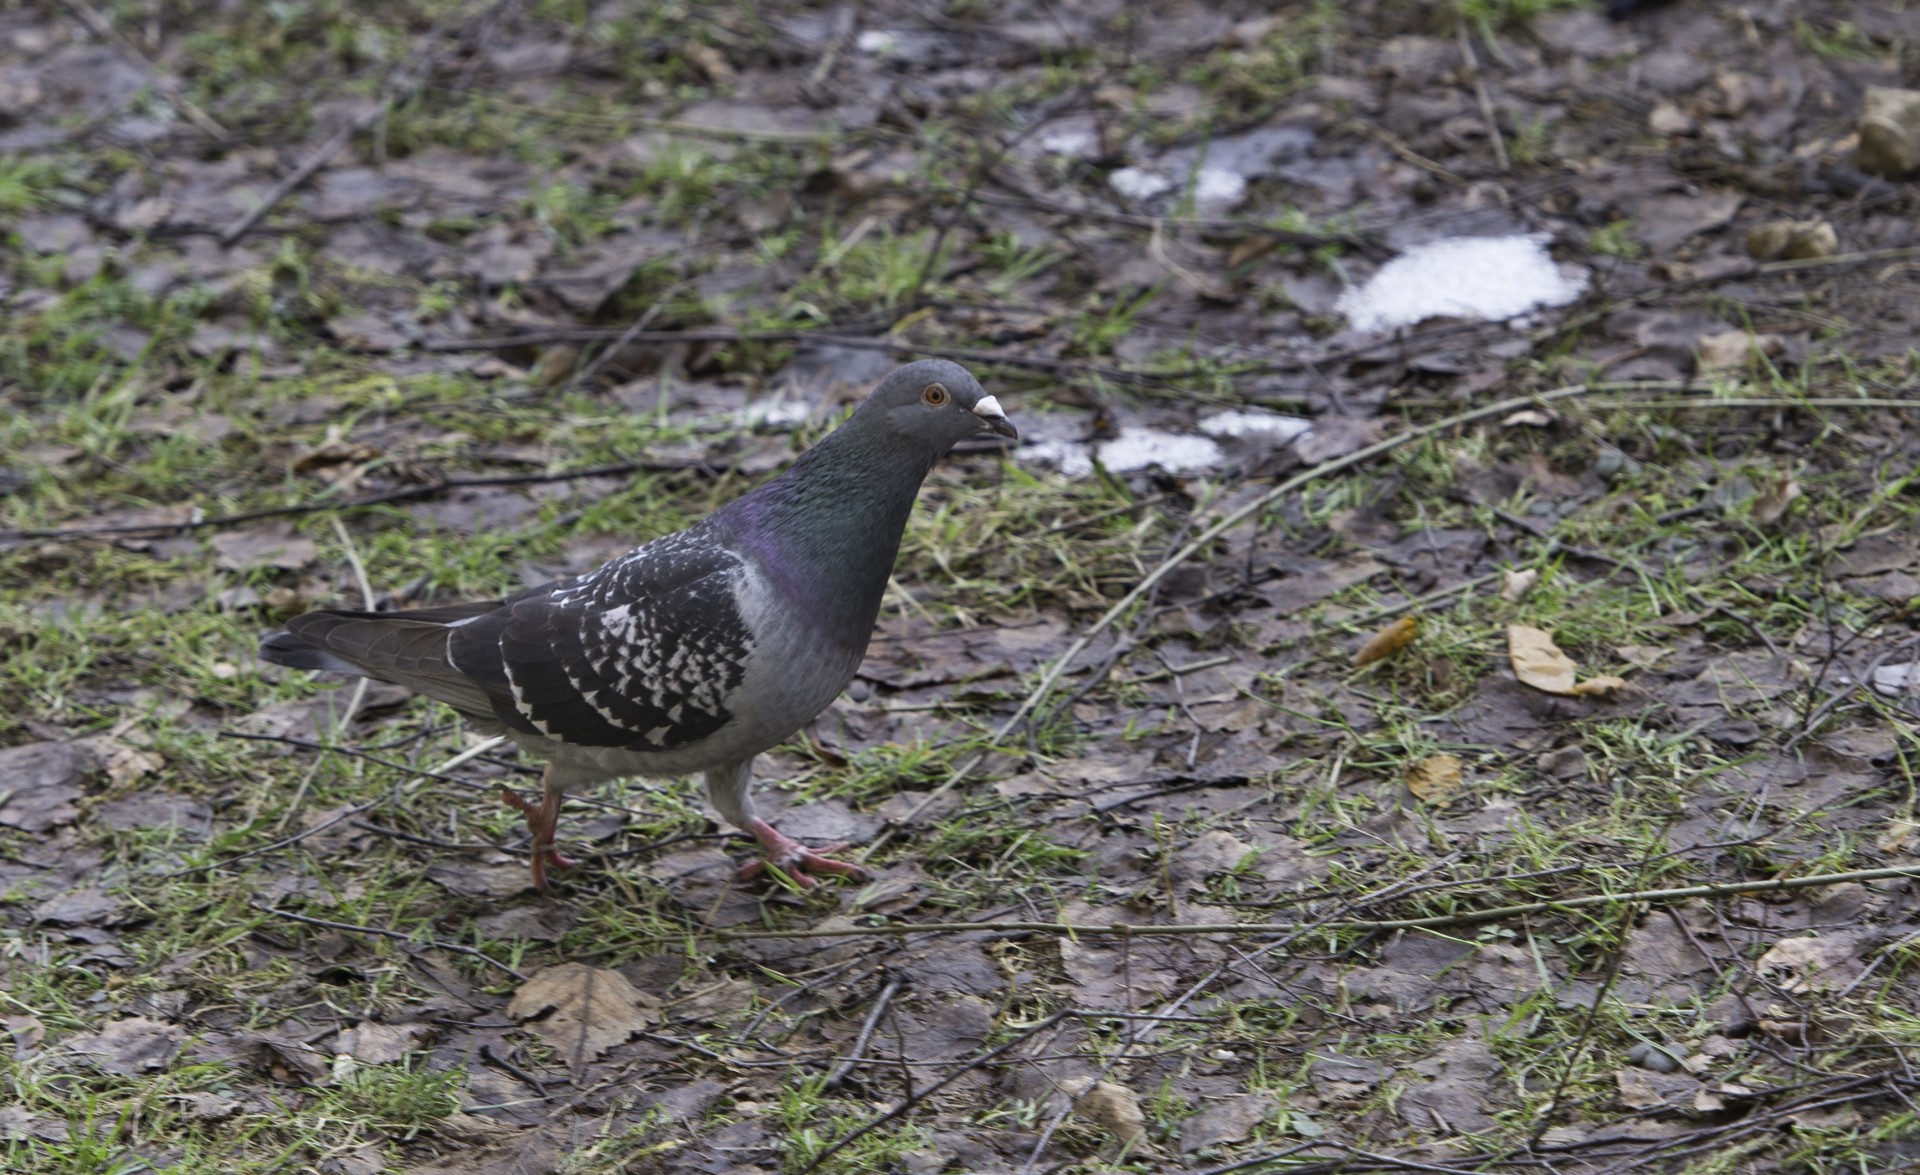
304, 172
1437, 922
355, 928
170, 90
1199, 543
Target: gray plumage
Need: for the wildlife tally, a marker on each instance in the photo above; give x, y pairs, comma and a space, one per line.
698, 650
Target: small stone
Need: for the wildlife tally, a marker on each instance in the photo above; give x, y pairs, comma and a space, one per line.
1890, 132
1653, 1057
1793, 240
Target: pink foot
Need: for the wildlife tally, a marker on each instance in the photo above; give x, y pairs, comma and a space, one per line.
543, 819
797, 860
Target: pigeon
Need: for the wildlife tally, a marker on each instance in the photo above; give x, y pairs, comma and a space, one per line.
693, 652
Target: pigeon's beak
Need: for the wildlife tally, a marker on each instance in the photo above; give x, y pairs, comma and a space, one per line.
991, 414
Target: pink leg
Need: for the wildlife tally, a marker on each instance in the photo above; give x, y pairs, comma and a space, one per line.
795, 859
543, 819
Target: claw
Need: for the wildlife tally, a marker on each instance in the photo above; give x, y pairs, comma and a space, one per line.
543, 819
796, 860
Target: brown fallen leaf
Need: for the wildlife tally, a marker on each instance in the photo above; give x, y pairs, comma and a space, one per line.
1732, 349
272, 545
41, 782
378, 1044
591, 1010
1641, 656
1113, 1108
1434, 779
129, 1047
1387, 641
1804, 965
1538, 662
1772, 503
1514, 585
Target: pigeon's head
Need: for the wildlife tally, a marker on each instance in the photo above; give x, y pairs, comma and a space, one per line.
938, 401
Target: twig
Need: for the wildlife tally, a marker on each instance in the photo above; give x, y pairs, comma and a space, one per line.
854, 1055
1487, 113
405, 494
1544, 1118
1840, 694
355, 928
1211, 227
176, 98
360, 686
301, 174
1436, 922
470, 753
407, 76
1199, 543
908, 1104
1119, 375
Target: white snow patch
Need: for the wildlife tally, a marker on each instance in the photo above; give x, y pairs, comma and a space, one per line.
772, 413
1137, 183
1072, 460
1250, 423
1067, 141
877, 41
1894, 680
1216, 187
1489, 278
1140, 448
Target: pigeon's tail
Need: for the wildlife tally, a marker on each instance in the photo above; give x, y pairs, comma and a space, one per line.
284, 648
405, 648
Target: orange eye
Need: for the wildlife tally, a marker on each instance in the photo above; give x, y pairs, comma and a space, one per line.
935, 395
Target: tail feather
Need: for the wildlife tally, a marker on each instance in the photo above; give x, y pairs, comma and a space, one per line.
406, 648
284, 648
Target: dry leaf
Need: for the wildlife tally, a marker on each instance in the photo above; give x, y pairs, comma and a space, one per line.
1802, 965
1669, 119
1896, 836
1736, 349
1772, 504
378, 1044
592, 1009
1112, 1107
1538, 662
126, 764
273, 545
1514, 585
1435, 778
1387, 641
1641, 656
129, 1047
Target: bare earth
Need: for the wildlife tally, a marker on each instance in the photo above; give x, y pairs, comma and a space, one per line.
313, 303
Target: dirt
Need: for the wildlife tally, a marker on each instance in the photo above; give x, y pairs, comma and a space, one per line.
1293, 866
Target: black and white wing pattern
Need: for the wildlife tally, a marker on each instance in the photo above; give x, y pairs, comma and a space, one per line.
641, 653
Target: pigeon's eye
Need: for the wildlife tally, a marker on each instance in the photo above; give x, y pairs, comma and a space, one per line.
935, 395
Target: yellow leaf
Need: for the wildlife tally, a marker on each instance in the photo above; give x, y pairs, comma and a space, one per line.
1538, 662
1387, 641
1435, 778
1514, 585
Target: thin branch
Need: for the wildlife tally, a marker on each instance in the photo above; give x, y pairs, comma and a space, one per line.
1118, 375
1437, 922
360, 686
355, 928
909, 1103
1200, 543
405, 494
470, 753
854, 1055
302, 173
88, 15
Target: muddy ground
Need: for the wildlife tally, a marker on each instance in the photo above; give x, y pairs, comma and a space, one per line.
312, 303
